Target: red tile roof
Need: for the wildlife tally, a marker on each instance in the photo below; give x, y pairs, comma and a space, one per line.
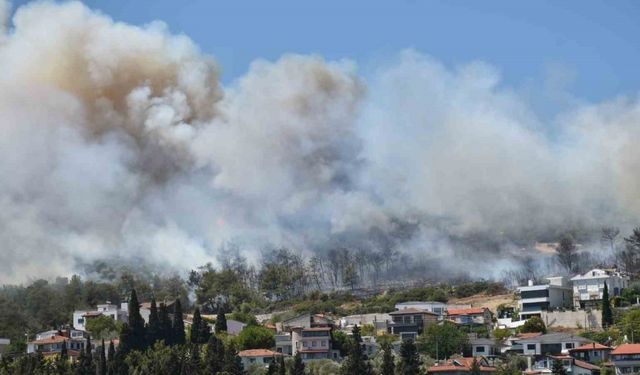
258, 353
471, 311
50, 340
626, 349
460, 364
592, 346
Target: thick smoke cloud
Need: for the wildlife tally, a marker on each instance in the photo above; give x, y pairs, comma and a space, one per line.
119, 141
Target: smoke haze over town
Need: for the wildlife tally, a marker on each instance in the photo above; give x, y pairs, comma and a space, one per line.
122, 142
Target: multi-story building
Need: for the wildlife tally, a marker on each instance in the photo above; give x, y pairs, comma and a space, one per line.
283, 343
262, 357
534, 299
588, 287
475, 316
550, 344
51, 342
115, 312
439, 308
626, 359
410, 322
544, 365
312, 343
593, 352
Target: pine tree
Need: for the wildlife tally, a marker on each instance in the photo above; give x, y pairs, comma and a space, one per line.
191, 364
558, 368
85, 361
166, 329
221, 321
282, 368
607, 314
102, 366
298, 365
63, 351
137, 336
178, 324
153, 328
410, 360
388, 362
273, 368
199, 329
214, 355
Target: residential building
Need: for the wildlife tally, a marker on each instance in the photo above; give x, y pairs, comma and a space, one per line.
369, 346
571, 365
304, 321
550, 344
588, 287
145, 309
410, 322
51, 342
115, 312
475, 316
543, 297
378, 321
626, 359
439, 308
593, 352
258, 357
459, 366
312, 343
483, 347
283, 343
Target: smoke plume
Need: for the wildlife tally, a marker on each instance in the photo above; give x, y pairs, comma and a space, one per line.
120, 141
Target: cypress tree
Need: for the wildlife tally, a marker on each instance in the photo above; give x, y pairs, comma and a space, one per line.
232, 361
199, 329
178, 324
607, 314
410, 360
166, 329
85, 361
125, 345
153, 328
356, 361
137, 339
388, 363
221, 321
102, 366
282, 368
63, 351
273, 368
475, 368
111, 358
298, 365
214, 355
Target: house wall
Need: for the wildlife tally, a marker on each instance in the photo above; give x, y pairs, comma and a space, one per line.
573, 319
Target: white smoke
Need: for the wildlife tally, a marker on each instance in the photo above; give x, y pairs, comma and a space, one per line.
118, 141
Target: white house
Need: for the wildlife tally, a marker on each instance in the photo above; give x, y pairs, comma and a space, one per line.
4, 345
587, 288
115, 312
571, 365
262, 357
550, 343
439, 308
534, 299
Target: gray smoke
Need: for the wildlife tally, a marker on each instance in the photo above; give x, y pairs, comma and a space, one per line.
120, 141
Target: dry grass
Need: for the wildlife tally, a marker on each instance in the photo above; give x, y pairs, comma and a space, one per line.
483, 300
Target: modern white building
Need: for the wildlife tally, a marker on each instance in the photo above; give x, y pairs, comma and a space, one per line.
534, 299
550, 343
439, 308
115, 312
588, 287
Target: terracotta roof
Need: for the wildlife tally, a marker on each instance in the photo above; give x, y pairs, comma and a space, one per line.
50, 340
471, 311
626, 349
411, 310
460, 364
592, 346
258, 353
585, 365
92, 313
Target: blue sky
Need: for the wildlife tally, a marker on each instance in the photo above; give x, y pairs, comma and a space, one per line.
594, 44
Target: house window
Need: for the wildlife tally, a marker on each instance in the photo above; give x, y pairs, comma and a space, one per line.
568, 345
80, 320
480, 349
531, 346
252, 360
314, 343
323, 343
